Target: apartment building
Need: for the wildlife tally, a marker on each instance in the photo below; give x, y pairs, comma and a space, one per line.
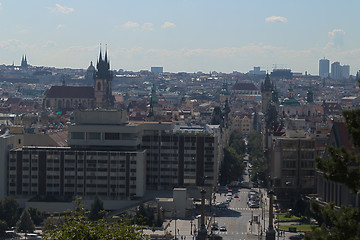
292, 165
117, 159
62, 171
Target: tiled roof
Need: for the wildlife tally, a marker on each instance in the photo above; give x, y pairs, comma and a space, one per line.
244, 86
70, 92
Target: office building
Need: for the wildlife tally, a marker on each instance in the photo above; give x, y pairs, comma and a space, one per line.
324, 68
157, 70
345, 71
117, 159
292, 165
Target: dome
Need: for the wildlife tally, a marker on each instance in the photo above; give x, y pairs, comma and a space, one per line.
91, 68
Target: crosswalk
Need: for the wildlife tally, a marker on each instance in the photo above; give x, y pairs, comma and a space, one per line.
245, 209
231, 233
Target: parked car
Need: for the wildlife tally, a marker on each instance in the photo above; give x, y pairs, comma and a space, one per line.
297, 236
228, 198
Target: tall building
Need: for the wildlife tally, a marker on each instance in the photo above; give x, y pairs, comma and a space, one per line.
345, 71
292, 165
117, 159
266, 93
157, 69
336, 70
324, 68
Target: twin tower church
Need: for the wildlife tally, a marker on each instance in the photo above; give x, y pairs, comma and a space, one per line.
83, 97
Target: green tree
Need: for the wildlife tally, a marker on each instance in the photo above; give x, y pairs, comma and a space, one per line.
25, 223
75, 225
341, 166
3, 227
237, 142
232, 166
36, 215
97, 209
9, 208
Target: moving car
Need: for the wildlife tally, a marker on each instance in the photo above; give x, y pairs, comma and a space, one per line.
236, 195
223, 228
215, 226
228, 198
222, 205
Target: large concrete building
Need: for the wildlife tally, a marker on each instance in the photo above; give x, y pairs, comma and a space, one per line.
292, 165
117, 159
324, 68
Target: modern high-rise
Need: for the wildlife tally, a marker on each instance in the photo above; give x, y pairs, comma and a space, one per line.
336, 70
324, 68
345, 71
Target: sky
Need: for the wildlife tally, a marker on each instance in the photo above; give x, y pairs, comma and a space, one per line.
182, 35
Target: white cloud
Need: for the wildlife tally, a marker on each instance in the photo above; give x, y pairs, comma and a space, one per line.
147, 27
337, 38
14, 44
63, 9
50, 44
0, 5
61, 26
168, 25
130, 25
336, 32
276, 19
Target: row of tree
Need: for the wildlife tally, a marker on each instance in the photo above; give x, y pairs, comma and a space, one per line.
12, 216
232, 167
257, 159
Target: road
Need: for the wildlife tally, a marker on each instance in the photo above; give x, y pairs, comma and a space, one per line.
237, 218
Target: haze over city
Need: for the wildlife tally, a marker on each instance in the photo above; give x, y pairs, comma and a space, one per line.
181, 35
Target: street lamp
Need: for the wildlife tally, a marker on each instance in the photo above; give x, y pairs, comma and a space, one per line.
191, 222
202, 232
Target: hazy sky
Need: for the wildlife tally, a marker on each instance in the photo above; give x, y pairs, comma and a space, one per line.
182, 35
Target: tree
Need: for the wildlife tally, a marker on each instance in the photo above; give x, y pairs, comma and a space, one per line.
25, 223
8, 210
237, 142
3, 227
36, 215
232, 166
97, 209
75, 225
343, 166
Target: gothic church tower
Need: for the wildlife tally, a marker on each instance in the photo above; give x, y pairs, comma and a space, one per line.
102, 83
266, 93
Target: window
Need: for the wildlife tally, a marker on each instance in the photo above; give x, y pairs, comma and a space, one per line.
78, 135
112, 136
93, 135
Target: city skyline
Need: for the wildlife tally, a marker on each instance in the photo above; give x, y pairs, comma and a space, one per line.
184, 35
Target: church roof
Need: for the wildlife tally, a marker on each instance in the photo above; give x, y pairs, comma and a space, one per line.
70, 92
290, 102
244, 86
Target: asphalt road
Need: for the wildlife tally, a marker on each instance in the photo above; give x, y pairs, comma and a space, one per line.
237, 218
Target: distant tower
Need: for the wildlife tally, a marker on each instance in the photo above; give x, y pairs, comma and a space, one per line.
24, 63
310, 96
324, 68
90, 73
224, 93
102, 83
266, 93
154, 102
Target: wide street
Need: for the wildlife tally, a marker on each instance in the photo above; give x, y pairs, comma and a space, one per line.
237, 217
